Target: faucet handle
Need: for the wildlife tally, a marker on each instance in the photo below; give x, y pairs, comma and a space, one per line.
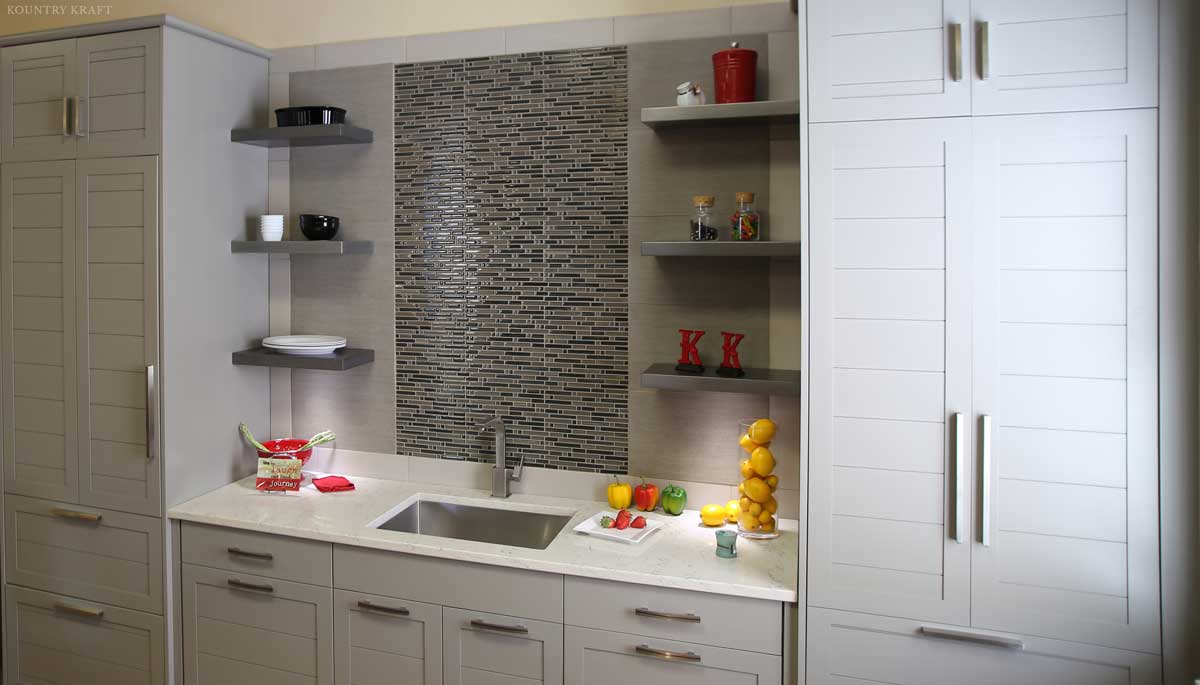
494, 422
516, 473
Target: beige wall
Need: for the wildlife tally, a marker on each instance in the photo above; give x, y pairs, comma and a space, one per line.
283, 23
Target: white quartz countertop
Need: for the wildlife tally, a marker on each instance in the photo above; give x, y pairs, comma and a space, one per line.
681, 555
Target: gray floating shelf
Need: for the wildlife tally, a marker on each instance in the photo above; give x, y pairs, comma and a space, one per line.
765, 111
721, 248
755, 382
301, 136
339, 360
315, 247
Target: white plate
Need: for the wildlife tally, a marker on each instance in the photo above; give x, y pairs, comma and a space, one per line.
630, 536
306, 350
304, 341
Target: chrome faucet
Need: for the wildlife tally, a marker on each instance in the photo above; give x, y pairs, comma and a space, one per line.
501, 475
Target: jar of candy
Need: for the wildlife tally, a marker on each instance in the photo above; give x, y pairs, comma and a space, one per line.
704, 226
746, 224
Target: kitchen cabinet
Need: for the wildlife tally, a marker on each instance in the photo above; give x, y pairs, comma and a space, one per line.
598, 657
480, 648
384, 640
880, 59
96, 96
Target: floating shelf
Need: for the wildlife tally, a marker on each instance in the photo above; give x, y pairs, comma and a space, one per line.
755, 382
301, 136
721, 248
317, 247
339, 360
765, 111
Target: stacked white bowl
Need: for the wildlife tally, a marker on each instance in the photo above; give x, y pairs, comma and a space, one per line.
270, 227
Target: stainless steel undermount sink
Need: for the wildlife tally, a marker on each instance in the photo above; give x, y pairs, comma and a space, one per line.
447, 519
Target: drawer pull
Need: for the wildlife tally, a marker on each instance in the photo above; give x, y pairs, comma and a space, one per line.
651, 613
667, 654
76, 515
78, 611
478, 623
968, 636
392, 611
260, 556
243, 585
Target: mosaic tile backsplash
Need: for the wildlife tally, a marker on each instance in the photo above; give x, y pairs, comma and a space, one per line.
511, 257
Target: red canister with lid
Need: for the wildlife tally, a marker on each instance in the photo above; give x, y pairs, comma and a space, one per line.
733, 74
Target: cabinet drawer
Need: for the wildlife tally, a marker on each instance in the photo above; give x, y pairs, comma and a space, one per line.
384, 640
844, 646
598, 657
304, 561
96, 554
56, 639
736, 622
497, 589
240, 628
491, 649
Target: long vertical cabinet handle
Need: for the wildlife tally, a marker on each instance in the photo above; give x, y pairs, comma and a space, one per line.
960, 480
78, 106
985, 475
66, 118
956, 56
985, 69
151, 413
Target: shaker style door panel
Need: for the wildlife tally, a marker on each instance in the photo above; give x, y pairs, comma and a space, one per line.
888, 496
384, 640
846, 648
37, 87
1065, 377
888, 59
117, 245
38, 330
492, 649
1064, 56
120, 94
600, 657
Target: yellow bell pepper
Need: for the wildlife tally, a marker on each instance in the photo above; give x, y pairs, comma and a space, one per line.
620, 495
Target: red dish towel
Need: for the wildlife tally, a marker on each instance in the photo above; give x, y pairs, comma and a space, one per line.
332, 484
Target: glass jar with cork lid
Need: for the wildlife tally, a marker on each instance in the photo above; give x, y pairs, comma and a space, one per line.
703, 224
746, 223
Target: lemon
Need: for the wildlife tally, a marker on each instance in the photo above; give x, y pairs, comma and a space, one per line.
756, 508
762, 461
742, 488
771, 506
747, 468
768, 526
744, 504
772, 482
762, 431
757, 490
713, 515
747, 521
732, 509
765, 517
748, 444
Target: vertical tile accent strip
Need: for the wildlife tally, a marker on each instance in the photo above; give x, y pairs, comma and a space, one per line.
511, 257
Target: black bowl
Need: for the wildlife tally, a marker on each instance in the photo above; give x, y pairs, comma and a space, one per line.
309, 116
319, 226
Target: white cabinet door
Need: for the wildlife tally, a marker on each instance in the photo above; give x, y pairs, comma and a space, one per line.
37, 87
888, 59
1036, 56
479, 648
119, 94
890, 368
1065, 372
600, 657
846, 648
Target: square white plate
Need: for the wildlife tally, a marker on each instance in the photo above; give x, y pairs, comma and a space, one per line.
630, 536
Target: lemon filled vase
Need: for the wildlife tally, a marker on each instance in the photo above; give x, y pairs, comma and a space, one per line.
758, 516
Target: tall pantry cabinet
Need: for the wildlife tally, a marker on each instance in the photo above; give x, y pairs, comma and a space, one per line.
983, 383
119, 305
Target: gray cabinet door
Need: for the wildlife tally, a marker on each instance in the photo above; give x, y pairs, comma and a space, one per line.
890, 371
117, 290
37, 331
119, 94
240, 628
37, 87
1066, 375
599, 657
53, 639
491, 649
384, 640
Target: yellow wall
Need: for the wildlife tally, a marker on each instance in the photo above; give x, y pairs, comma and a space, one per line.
283, 23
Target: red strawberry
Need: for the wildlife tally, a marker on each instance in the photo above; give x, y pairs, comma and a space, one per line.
624, 518
639, 522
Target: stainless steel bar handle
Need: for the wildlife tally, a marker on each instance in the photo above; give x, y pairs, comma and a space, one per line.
970, 636
260, 556
651, 613
79, 132
151, 413
379, 608
78, 610
76, 515
956, 56
985, 517
985, 69
66, 113
961, 524
487, 625
243, 585
667, 654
